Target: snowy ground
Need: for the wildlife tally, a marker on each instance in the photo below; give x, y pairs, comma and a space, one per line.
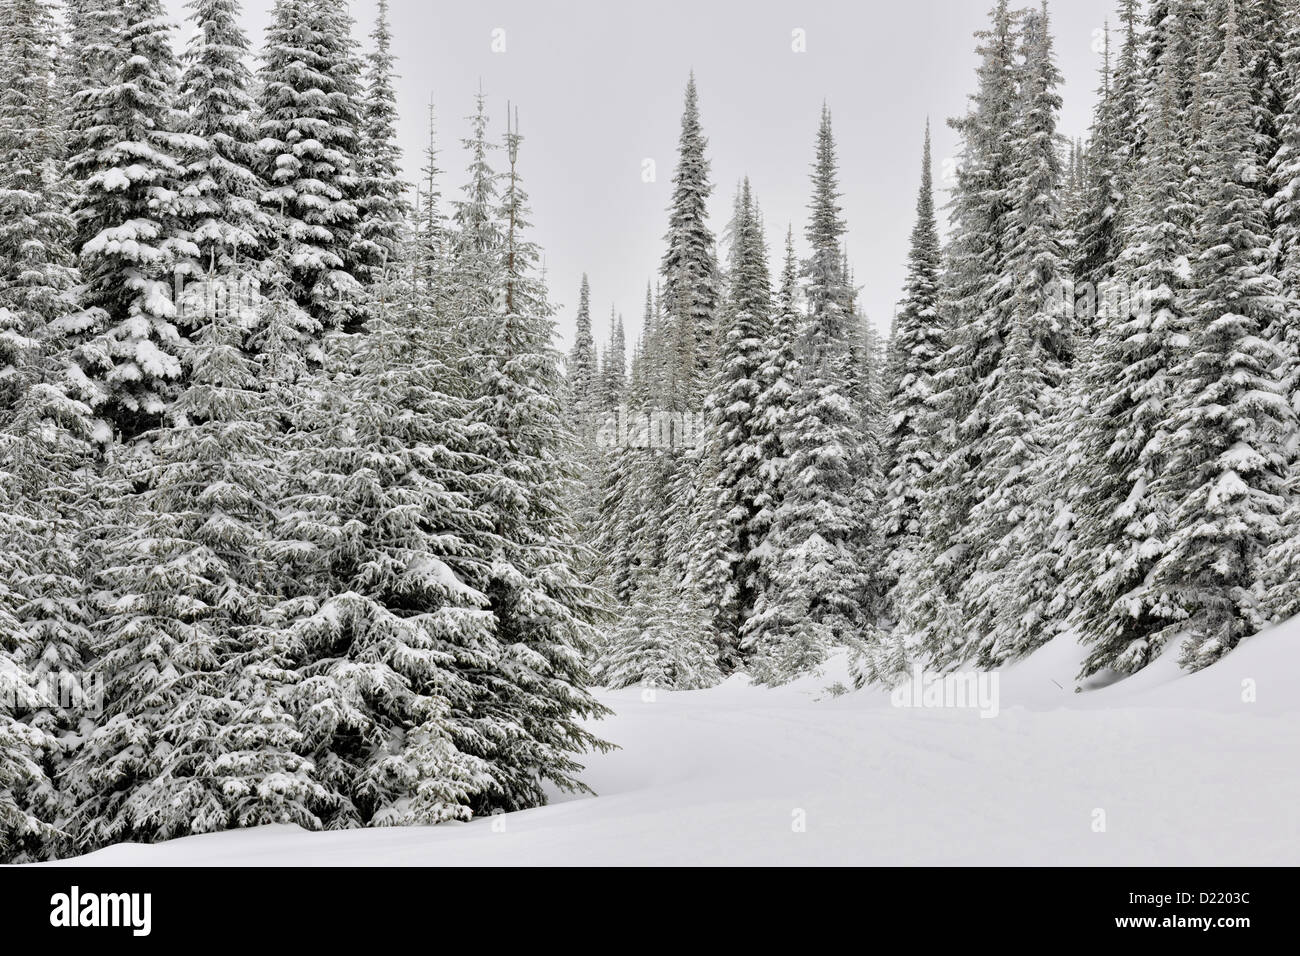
1186, 772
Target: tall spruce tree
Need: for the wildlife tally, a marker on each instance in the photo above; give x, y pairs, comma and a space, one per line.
1123, 526
188, 585
1014, 568
49, 517
732, 443
429, 236
1097, 241
690, 270
476, 254
309, 139
1226, 461
382, 209
544, 614
1283, 577
977, 289
35, 266
380, 629
916, 348
581, 367
613, 368
220, 200
129, 236
817, 595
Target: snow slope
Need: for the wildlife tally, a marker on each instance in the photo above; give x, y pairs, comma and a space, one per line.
1185, 770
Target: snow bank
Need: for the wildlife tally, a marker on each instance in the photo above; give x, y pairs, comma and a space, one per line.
1186, 769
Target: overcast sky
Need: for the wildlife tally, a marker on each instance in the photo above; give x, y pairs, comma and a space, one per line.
599, 87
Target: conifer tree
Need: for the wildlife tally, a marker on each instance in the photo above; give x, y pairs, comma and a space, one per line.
916, 348
127, 232
1262, 26
35, 267
187, 586
220, 202
613, 372
1123, 527
382, 209
690, 270
733, 456
475, 270
380, 626
976, 292
88, 61
1014, 572
1225, 456
656, 643
429, 235
1097, 241
48, 513
817, 595
544, 615
581, 366
1285, 204
309, 137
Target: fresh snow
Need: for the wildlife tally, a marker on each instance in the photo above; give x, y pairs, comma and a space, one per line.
1185, 770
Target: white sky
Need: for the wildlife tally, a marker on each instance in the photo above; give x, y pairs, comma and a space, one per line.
599, 86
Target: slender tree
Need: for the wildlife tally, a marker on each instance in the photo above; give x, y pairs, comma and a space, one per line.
916, 348
1226, 462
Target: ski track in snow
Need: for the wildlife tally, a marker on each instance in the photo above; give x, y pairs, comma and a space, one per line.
1185, 770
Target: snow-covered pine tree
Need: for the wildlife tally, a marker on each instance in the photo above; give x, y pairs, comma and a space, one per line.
379, 627
613, 368
24, 836
127, 232
220, 202
1010, 536
543, 614
186, 588
1263, 48
778, 380
976, 290
1173, 26
1143, 325
476, 254
382, 209
656, 643
867, 393
309, 132
1285, 205
1226, 460
1283, 566
429, 236
48, 514
35, 266
1096, 235
585, 418
88, 59
46, 508
618, 526
690, 294
817, 596
732, 446
638, 386
916, 348
1127, 115
581, 367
